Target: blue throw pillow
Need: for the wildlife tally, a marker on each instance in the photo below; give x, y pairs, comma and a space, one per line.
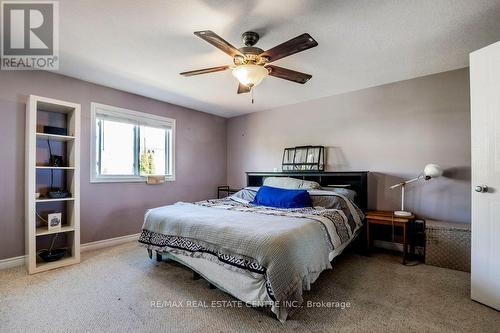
282, 198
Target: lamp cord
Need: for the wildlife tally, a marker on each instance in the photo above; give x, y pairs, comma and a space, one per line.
51, 244
53, 241
41, 218
50, 148
51, 170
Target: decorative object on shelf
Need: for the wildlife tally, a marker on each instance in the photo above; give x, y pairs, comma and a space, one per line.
52, 254
430, 171
304, 159
56, 161
55, 193
55, 130
54, 221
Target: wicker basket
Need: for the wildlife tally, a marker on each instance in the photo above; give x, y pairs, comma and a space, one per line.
447, 245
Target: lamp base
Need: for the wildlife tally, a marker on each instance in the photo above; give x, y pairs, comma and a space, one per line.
402, 213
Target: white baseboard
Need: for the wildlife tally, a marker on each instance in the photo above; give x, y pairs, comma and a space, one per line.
19, 261
12, 262
108, 242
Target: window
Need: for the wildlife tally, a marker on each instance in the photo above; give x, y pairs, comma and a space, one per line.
128, 145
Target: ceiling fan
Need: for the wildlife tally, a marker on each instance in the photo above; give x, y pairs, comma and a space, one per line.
252, 64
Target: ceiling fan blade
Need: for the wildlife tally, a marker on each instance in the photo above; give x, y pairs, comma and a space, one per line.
217, 41
294, 45
288, 74
205, 71
242, 89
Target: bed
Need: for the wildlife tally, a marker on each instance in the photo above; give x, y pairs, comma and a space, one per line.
263, 256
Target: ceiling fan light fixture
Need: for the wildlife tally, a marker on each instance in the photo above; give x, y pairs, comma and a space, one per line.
250, 75
251, 64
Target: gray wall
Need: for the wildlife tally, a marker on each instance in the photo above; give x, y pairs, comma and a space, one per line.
391, 130
107, 210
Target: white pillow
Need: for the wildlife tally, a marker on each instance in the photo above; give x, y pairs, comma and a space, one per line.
245, 195
291, 183
328, 199
349, 194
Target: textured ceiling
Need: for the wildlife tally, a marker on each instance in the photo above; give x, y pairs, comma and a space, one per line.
141, 46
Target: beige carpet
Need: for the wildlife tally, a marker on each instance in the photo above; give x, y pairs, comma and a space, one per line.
112, 290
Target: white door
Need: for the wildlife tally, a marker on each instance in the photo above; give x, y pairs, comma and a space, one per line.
485, 132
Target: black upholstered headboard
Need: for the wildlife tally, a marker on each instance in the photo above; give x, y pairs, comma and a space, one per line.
357, 181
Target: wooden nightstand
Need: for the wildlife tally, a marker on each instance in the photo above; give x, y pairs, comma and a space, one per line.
388, 218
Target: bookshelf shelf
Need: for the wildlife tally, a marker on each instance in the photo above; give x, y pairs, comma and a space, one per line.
41, 231
42, 111
42, 167
42, 266
54, 199
54, 137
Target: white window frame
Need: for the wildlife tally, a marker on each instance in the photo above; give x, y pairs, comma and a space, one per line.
142, 118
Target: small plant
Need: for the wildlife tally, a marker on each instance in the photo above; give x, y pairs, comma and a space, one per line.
147, 164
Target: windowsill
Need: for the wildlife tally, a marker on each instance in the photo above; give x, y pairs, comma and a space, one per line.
127, 180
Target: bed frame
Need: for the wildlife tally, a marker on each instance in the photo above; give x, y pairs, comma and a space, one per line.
356, 181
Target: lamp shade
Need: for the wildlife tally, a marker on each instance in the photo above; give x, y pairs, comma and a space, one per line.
432, 171
250, 75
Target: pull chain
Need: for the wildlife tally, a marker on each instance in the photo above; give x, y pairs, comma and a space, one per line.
252, 94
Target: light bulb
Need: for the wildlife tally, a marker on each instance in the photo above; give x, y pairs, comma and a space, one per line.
250, 75
433, 171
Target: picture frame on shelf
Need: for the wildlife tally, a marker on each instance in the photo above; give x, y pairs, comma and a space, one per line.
54, 221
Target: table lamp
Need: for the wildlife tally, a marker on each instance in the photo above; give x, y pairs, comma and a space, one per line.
430, 171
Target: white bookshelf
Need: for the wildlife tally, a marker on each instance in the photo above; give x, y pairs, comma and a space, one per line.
37, 233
